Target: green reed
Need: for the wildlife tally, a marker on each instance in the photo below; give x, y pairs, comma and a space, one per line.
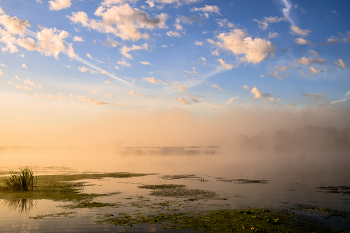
22, 180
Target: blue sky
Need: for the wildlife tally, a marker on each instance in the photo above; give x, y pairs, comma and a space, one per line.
200, 56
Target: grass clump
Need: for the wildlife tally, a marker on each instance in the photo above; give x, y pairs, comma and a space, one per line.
22, 180
62, 187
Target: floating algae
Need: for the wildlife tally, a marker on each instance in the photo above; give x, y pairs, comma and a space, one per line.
254, 220
179, 191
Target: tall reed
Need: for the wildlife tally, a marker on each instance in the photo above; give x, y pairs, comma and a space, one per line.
22, 180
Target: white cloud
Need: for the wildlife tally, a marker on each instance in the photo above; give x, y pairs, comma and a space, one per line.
215, 53
341, 38
59, 4
24, 66
107, 82
198, 43
347, 93
87, 99
94, 92
316, 96
223, 64
136, 94
257, 94
273, 35
194, 98
307, 61
124, 50
110, 95
22, 55
113, 43
123, 21
286, 10
28, 82
1, 72
279, 69
19, 79
231, 100
10, 83
193, 71
216, 86
245, 87
154, 80
314, 71
77, 38
164, 46
49, 42
145, 63
116, 2
302, 41
173, 34
262, 76
314, 53
254, 50
13, 25
263, 24
340, 63
295, 30
182, 101
207, 8
178, 86
123, 63
83, 69
224, 23
203, 59
89, 56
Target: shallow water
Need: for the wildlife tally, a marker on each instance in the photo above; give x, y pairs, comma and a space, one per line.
291, 180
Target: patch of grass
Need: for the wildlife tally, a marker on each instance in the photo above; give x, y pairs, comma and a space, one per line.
179, 191
62, 187
22, 180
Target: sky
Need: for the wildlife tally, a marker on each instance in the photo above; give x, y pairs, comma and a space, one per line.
68, 65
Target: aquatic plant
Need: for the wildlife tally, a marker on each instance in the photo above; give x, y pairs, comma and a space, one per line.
22, 180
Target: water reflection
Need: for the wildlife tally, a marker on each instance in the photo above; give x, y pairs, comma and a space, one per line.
21, 205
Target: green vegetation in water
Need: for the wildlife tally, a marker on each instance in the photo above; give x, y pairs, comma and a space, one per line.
162, 186
62, 187
22, 180
320, 211
248, 220
176, 177
337, 189
242, 181
90, 204
179, 191
64, 214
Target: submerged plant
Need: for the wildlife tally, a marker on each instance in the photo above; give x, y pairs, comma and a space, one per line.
22, 180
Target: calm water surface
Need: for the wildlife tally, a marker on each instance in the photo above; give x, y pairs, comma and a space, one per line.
290, 180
